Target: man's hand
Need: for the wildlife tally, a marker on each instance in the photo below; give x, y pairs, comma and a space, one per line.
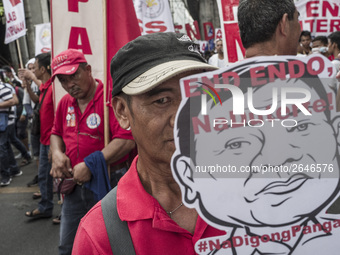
25, 74
61, 166
81, 173
22, 118
25, 83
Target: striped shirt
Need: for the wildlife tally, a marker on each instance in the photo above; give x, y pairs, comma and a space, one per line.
6, 93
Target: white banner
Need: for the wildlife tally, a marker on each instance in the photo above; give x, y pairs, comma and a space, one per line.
96, 28
42, 38
154, 16
269, 187
77, 31
15, 20
320, 17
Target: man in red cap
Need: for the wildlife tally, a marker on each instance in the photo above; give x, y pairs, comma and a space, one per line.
77, 143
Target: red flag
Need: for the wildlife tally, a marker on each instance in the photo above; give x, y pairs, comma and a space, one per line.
122, 27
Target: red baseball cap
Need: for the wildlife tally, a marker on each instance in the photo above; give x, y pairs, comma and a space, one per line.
67, 62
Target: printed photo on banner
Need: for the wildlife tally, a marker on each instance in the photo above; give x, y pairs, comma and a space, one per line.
153, 16
257, 155
42, 38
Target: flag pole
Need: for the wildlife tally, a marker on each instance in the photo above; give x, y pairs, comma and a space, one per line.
19, 53
105, 83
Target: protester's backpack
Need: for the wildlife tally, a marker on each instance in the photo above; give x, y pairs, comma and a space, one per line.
117, 230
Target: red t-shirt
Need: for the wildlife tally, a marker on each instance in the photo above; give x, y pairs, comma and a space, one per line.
151, 229
46, 112
83, 133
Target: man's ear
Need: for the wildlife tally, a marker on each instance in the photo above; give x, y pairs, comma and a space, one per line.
185, 174
284, 25
121, 111
42, 69
88, 68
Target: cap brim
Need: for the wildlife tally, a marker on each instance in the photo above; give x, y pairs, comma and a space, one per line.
159, 74
67, 70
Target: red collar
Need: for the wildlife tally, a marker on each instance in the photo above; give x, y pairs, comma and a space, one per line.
133, 202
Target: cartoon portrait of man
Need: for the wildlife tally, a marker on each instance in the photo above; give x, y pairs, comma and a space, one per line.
268, 175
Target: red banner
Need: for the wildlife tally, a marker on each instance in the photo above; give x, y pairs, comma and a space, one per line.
232, 45
320, 17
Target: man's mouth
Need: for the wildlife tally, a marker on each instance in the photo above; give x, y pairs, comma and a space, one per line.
283, 187
74, 92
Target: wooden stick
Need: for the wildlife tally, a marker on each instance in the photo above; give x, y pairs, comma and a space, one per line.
105, 81
19, 53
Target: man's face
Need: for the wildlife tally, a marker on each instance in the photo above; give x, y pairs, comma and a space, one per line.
305, 41
151, 117
30, 67
219, 46
78, 83
319, 47
296, 193
37, 70
331, 47
318, 44
293, 38
9, 74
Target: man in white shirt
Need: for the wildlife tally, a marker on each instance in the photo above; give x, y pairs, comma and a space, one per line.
218, 58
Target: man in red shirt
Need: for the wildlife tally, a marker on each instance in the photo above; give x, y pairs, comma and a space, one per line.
42, 71
78, 137
146, 95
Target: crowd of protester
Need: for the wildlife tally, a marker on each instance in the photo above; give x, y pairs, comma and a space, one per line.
327, 45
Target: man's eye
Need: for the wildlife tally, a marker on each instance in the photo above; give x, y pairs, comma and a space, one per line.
162, 100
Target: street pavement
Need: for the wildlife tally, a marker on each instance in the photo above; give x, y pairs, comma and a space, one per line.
20, 234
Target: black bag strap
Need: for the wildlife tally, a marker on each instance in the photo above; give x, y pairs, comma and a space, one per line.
117, 230
42, 99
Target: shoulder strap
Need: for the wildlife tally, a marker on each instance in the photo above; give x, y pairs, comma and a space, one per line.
117, 230
42, 99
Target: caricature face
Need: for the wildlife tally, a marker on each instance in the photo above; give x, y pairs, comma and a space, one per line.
284, 196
